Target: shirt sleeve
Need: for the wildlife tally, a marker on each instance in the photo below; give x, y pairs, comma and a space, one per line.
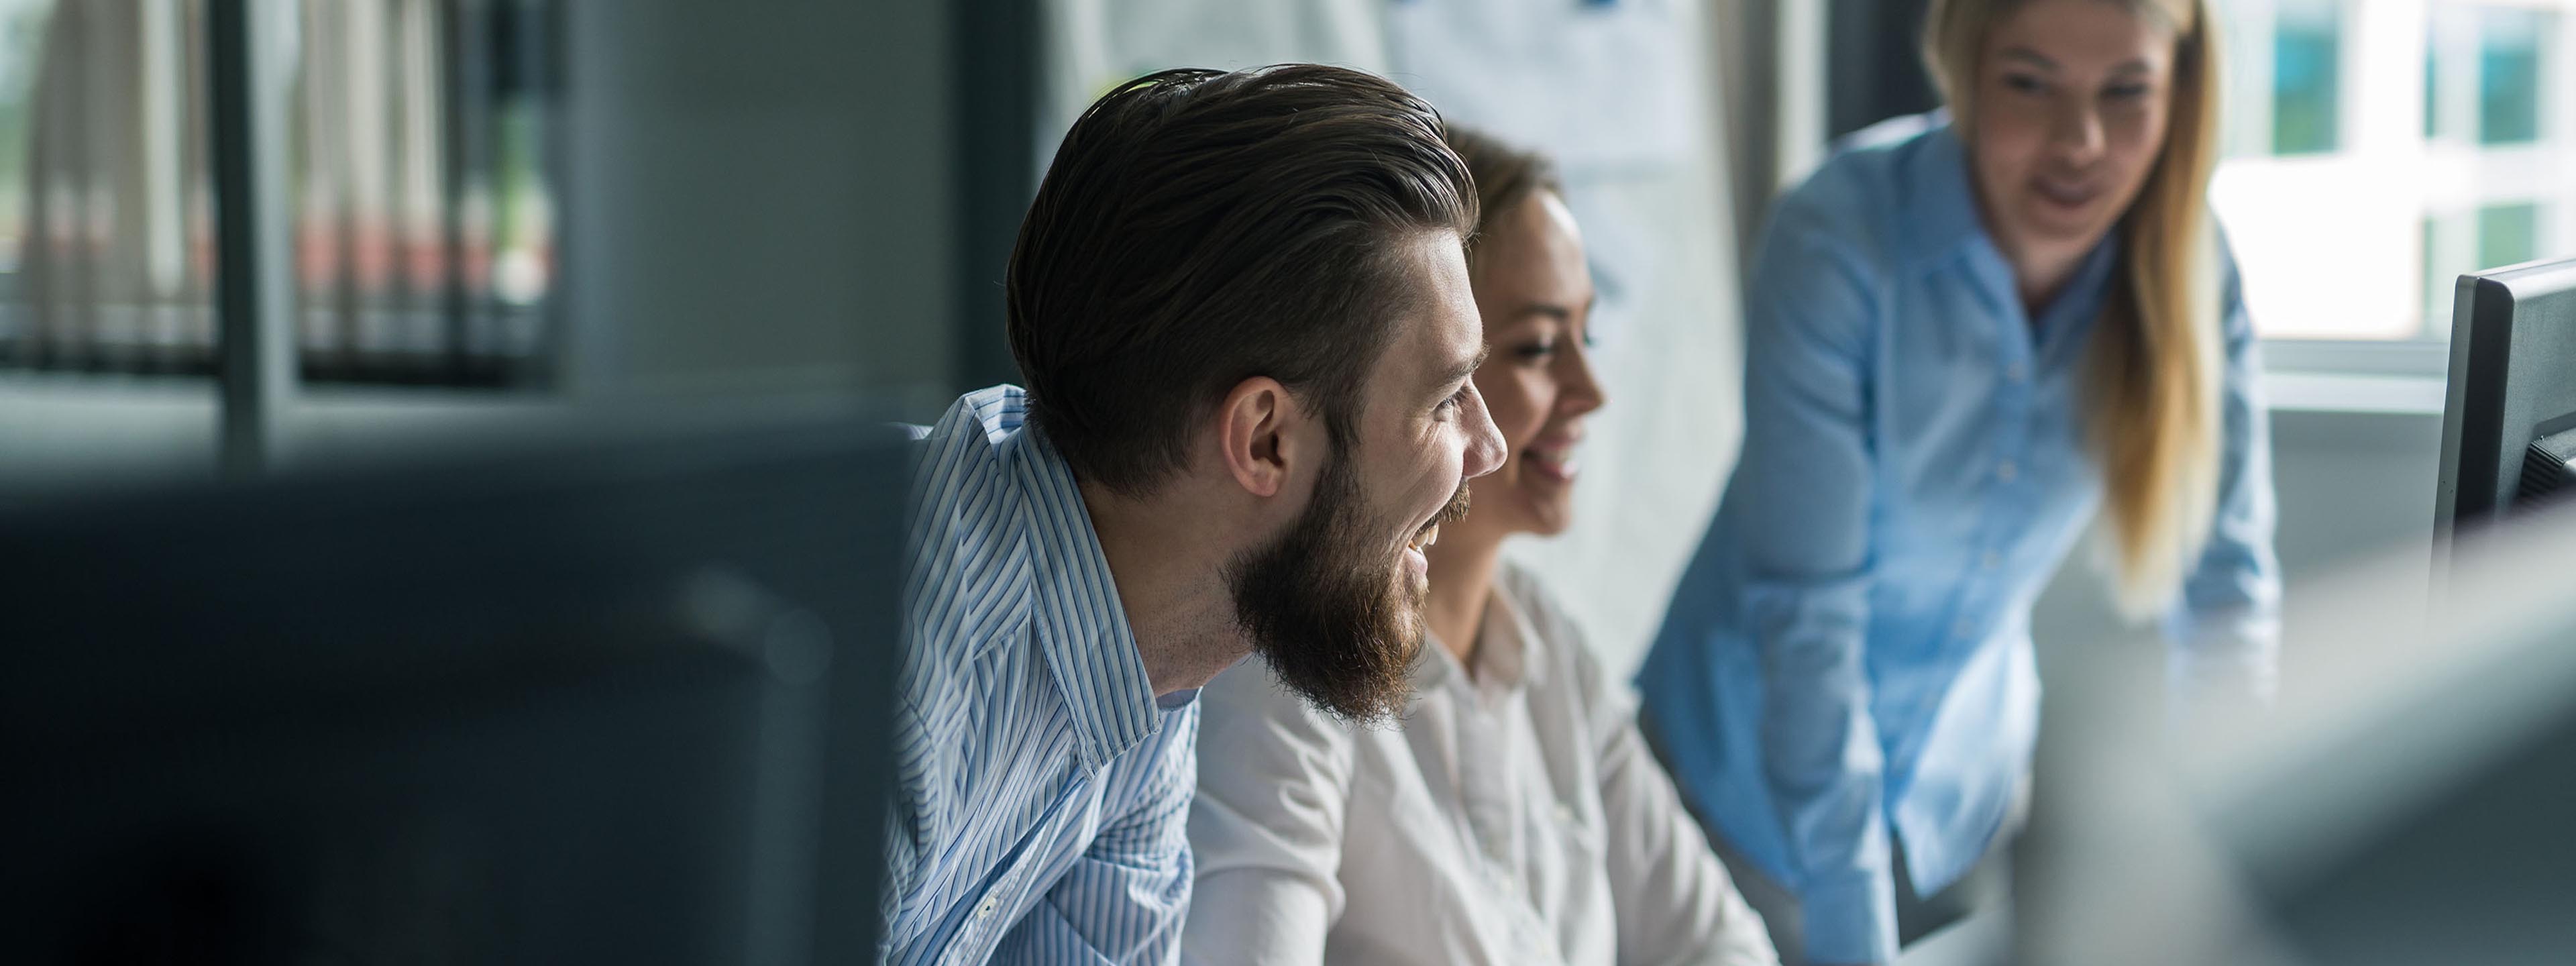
2225, 625
1674, 902
1803, 493
1123, 900
1267, 826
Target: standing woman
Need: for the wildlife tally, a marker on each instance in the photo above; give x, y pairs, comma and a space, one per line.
1969, 338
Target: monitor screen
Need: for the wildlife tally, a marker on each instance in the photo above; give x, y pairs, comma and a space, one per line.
599, 704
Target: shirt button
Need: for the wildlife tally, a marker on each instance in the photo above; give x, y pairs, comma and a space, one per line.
2006, 471
1992, 560
1564, 814
1964, 629
2015, 372
985, 909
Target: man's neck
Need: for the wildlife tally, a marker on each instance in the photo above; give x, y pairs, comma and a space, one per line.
1171, 587
1462, 581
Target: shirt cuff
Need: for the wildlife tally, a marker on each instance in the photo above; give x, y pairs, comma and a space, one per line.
1850, 921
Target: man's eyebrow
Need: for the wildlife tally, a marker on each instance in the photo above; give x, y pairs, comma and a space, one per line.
1461, 371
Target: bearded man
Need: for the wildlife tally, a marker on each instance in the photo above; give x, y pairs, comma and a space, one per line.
1241, 305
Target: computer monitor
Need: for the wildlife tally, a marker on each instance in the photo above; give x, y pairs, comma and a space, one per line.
611, 703
2512, 394
2410, 797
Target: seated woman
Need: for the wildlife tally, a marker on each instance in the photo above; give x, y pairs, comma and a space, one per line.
1515, 815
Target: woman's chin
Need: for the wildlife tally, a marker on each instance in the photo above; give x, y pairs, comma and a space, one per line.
1549, 521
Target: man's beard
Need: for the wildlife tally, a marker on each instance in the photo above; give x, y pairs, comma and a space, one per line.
1322, 604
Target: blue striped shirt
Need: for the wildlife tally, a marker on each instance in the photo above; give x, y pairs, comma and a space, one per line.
1042, 789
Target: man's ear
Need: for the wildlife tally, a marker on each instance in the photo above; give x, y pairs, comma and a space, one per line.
1257, 434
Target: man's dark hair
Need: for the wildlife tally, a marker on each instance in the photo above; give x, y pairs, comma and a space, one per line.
1199, 228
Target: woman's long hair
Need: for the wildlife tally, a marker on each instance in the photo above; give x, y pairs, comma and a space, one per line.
2152, 411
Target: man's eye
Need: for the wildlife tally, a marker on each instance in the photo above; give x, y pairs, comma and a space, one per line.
1455, 400
2125, 92
1534, 351
2025, 84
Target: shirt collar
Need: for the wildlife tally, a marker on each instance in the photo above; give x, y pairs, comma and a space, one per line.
1502, 653
1940, 198
1080, 626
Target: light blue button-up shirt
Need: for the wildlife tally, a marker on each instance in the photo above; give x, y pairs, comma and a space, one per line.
1043, 791
1849, 651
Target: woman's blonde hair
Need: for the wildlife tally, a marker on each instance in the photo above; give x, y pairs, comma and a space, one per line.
2152, 415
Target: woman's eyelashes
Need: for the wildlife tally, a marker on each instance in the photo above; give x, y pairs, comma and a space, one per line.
2127, 93
2118, 93
1544, 341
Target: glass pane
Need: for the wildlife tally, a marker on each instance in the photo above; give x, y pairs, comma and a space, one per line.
2433, 93
21, 31
424, 214
105, 227
2307, 66
2508, 235
2509, 74
418, 200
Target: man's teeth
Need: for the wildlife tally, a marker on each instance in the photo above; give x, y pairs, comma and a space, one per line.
1424, 540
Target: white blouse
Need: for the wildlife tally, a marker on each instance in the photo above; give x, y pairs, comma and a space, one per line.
1515, 816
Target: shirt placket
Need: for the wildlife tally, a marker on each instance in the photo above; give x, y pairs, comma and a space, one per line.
2007, 481
983, 925
1488, 776
986, 924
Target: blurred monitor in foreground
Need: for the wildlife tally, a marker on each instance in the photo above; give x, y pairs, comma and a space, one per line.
622, 703
2411, 799
2509, 425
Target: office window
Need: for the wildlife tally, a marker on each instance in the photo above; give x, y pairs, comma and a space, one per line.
2448, 153
2307, 76
2509, 74
418, 199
